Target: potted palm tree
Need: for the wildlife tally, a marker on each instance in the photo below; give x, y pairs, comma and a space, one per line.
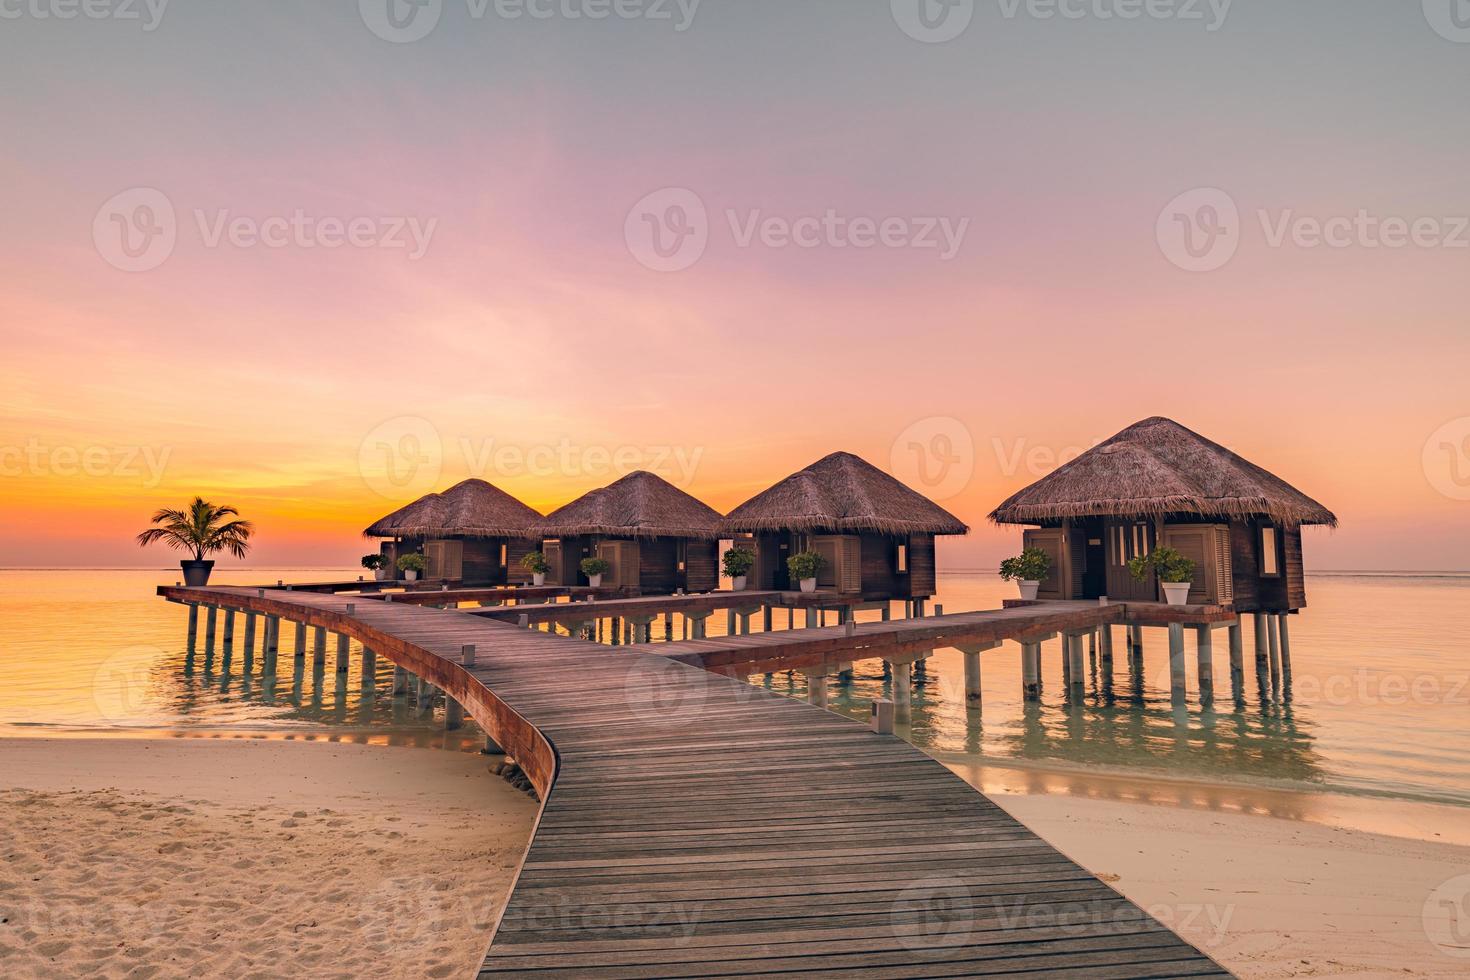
535, 563
203, 529
738, 562
377, 564
412, 566
804, 567
595, 569
1027, 570
1174, 570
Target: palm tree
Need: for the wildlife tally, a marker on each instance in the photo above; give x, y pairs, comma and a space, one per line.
200, 528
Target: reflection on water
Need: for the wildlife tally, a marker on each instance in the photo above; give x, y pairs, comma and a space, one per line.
97, 652
1380, 701
1379, 704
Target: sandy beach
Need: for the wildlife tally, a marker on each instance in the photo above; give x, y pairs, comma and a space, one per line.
1266, 897
250, 858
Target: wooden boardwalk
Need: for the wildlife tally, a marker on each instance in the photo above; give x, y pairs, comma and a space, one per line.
693, 825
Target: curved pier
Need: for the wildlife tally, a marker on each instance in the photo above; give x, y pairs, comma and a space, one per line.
693, 825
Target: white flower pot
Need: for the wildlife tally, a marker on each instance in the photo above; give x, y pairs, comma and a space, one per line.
1029, 589
538, 578
411, 575
1177, 593
738, 583
809, 585
380, 574
594, 581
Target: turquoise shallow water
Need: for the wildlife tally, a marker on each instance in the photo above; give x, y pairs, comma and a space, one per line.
1380, 704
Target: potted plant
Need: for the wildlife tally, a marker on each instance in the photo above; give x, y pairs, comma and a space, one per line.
377, 564
1173, 569
804, 567
1027, 569
201, 528
535, 563
738, 562
412, 566
595, 569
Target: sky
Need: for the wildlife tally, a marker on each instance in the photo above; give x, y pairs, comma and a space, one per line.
315, 260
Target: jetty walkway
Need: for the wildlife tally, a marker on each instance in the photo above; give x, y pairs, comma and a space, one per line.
694, 825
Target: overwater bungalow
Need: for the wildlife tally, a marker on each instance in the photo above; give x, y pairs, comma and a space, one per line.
657, 538
474, 533
1157, 482
876, 534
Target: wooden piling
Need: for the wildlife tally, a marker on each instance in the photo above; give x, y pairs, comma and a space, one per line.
369, 666
1205, 651
1177, 684
400, 681
300, 642
902, 691
1031, 671
1273, 632
343, 649
249, 641
211, 616
1282, 620
228, 646
193, 635
816, 691
453, 714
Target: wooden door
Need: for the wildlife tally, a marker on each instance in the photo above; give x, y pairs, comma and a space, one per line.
1124, 540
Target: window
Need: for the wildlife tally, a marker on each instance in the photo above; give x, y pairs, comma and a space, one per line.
503, 556
1270, 545
901, 559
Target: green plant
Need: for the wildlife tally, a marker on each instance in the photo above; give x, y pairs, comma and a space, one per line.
374, 562
1031, 565
805, 564
1168, 564
738, 562
412, 563
535, 563
201, 528
595, 566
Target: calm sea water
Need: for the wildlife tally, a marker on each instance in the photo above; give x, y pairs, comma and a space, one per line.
1379, 706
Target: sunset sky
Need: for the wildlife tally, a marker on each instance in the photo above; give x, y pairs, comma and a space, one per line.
525, 338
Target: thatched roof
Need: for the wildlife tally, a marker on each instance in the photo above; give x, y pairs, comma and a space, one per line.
472, 509
640, 505
843, 492
1157, 467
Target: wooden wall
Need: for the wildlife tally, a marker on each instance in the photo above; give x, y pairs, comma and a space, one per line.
701, 566
515, 550
482, 561
923, 569
658, 565
877, 566
1293, 570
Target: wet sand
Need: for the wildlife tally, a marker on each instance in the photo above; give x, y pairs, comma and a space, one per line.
250, 858
1273, 897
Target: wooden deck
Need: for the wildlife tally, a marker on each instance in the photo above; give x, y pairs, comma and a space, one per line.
831, 646
693, 825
